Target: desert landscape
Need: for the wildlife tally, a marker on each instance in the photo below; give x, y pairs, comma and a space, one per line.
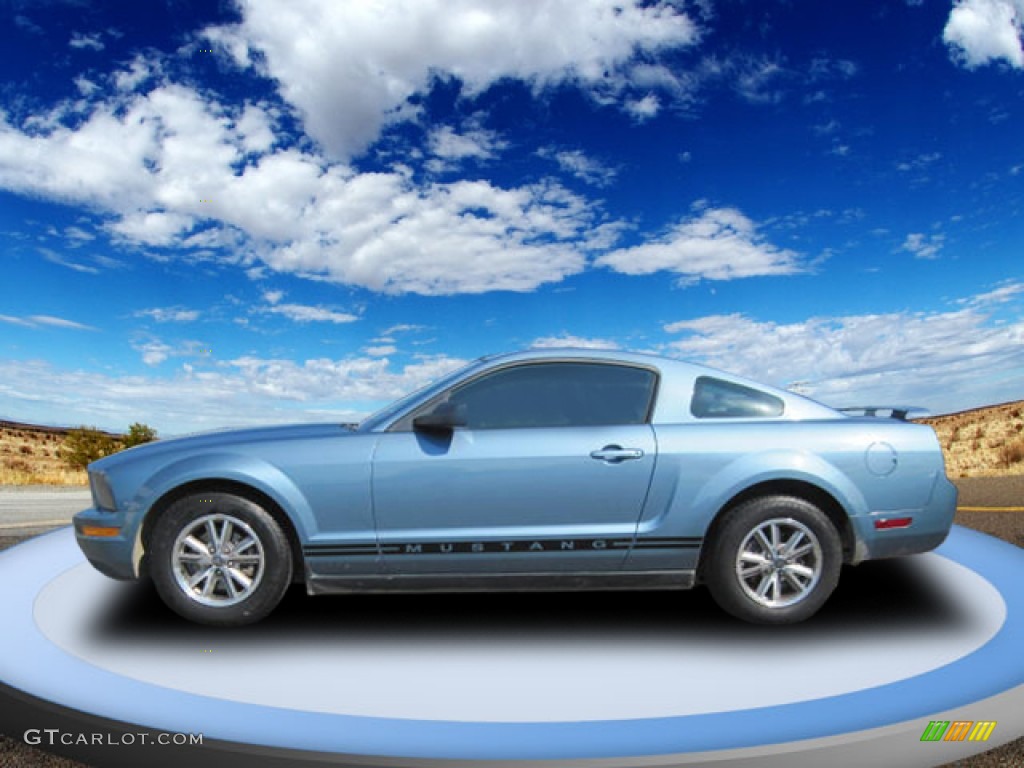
983, 442
30, 455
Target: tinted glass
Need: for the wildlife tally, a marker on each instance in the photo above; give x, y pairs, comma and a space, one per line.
557, 395
717, 399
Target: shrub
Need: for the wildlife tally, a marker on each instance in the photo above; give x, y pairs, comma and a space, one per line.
85, 445
25, 450
1012, 453
138, 434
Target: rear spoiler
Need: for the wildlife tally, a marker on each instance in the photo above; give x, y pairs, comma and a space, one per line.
898, 412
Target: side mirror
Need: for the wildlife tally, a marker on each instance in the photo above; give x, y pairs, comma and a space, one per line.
443, 419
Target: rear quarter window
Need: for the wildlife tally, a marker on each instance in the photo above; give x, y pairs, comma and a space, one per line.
718, 399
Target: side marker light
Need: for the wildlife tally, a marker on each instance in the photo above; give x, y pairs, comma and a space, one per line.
885, 523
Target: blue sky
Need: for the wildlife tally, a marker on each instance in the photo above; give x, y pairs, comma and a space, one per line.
216, 214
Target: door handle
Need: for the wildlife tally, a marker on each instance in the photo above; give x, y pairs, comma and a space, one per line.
613, 454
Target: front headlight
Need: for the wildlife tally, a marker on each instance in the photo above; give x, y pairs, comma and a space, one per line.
102, 495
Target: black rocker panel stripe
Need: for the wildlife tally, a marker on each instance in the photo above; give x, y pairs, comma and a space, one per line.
499, 547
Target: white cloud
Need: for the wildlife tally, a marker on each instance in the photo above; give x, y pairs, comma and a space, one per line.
402, 328
827, 128
24, 22
920, 162
82, 41
172, 168
476, 143
155, 351
350, 68
59, 322
168, 168
78, 235
255, 129
942, 360
1001, 295
34, 321
153, 227
923, 246
85, 86
302, 313
979, 32
644, 109
717, 244
100, 162
381, 232
568, 340
138, 71
55, 258
381, 351
757, 80
582, 166
243, 392
824, 68
170, 314
10, 319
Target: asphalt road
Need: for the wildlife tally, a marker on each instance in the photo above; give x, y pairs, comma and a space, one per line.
991, 491
34, 509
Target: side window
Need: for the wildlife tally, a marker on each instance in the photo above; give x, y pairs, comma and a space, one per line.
717, 399
557, 395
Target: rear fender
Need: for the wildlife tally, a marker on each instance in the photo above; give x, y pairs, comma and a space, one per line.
754, 469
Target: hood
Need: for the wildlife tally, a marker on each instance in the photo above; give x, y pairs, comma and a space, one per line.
224, 438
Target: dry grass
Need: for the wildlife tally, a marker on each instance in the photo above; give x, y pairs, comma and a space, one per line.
28, 456
986, 442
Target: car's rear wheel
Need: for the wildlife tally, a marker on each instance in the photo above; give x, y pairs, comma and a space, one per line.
775, 560
219, 559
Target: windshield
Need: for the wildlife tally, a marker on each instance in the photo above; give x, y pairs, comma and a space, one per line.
389, 411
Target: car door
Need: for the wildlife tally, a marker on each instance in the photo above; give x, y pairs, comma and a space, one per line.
549, 473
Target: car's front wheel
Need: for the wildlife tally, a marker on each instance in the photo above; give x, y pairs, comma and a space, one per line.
775, 560
219, 559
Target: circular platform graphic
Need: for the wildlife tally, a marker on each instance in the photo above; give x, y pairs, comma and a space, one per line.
659, 678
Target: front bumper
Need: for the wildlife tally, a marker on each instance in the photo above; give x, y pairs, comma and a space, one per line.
113, 556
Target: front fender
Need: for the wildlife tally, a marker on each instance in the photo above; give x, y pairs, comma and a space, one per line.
240, 468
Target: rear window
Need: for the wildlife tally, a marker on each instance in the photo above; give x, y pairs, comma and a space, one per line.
717, 399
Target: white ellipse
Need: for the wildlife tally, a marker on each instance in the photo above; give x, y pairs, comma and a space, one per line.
510, 676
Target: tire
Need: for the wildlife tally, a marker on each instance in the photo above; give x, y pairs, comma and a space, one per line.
775, 560
238, 585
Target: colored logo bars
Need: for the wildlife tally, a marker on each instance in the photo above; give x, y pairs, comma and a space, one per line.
958, 730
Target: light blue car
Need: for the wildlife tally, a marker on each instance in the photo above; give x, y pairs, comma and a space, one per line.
547, 469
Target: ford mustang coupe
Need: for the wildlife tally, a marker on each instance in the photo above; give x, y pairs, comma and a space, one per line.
547, 469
